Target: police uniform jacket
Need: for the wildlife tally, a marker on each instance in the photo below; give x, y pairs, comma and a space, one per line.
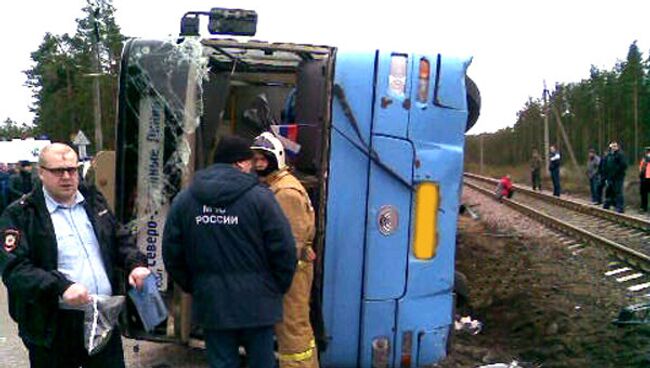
29, 260
227, 242
19, 184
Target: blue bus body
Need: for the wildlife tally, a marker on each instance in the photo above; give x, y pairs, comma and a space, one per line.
382, 134
371, 280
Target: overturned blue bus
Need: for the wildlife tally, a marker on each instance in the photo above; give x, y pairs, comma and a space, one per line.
378, 141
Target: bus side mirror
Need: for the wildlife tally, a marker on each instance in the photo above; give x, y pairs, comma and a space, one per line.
236, 22
190, 25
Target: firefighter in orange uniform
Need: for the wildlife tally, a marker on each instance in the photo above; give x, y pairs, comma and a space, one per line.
644, 176
295, 336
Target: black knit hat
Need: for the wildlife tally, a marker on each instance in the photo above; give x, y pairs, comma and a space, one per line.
232, 149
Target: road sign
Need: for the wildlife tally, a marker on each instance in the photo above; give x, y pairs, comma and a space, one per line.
81, 141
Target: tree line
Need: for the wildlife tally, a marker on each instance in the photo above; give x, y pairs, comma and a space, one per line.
61, 77
609, 105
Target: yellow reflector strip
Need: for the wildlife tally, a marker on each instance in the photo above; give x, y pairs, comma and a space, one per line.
296, 357
427, 201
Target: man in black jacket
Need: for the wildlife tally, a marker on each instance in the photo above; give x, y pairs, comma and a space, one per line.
614, 172
554, 168
227, 242
21, 182
61, 245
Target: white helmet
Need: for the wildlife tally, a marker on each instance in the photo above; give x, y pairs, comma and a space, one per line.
269, 143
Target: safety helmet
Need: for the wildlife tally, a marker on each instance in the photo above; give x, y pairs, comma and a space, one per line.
267, 142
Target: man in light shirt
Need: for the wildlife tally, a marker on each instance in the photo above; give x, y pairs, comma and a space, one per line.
61, 246
554, 169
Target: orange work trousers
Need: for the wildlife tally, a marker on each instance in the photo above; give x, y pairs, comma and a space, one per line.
296, 345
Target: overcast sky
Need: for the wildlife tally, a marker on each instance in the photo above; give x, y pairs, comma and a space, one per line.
516, 45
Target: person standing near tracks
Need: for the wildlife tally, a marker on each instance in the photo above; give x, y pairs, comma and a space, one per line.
535, 170
644, 178
614, 172
593, 172
296, 343
554, 168
601, 169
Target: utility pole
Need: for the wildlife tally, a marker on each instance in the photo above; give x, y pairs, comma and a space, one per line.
635, 99
546, 112
480, 140
566, 140
599, 150
96, 95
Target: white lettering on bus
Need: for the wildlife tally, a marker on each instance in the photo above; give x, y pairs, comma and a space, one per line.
152, 239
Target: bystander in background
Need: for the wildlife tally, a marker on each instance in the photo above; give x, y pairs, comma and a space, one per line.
593, 172
644, 178
535, 170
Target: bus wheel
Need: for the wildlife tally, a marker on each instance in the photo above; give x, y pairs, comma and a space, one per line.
461, 290
473, 103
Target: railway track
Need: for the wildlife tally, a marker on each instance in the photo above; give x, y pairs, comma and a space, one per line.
626, 237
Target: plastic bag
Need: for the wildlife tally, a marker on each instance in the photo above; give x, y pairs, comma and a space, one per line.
100, 319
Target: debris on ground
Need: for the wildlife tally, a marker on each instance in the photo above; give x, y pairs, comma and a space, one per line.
514, 364
538, 304
467, 324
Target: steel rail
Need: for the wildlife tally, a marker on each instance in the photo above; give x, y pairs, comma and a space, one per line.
631, 256
628, 220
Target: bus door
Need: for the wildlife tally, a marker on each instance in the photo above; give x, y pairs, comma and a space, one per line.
389, 205
345, 227
419, 117
159, 94
436, 129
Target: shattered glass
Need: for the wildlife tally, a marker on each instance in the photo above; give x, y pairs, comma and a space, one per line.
163, 83
176, 98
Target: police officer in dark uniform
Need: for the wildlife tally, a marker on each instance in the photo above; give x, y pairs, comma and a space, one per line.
22, 182
61, 246
228, 243
4, 186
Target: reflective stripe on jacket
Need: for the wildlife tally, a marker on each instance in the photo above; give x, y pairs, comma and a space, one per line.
644, 169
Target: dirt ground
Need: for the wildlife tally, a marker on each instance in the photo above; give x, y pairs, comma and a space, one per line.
540, 303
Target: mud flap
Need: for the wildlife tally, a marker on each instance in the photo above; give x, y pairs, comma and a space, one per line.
432, 346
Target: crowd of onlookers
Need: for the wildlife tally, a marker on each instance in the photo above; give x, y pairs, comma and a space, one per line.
15, 180
606, 174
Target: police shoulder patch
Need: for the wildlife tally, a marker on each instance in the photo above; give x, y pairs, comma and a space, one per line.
11, 239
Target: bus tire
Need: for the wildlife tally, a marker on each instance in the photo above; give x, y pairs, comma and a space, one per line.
473, 103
